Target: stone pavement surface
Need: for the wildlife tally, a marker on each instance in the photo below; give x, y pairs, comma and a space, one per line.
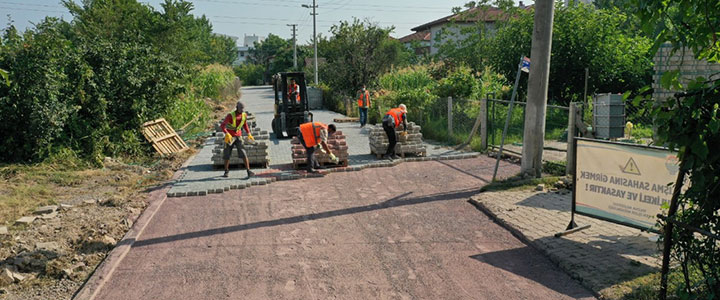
599, 257
405, 232
201, 178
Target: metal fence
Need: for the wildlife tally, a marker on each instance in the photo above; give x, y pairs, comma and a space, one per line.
556, 122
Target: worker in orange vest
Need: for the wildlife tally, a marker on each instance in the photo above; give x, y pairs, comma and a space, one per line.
363, 105
232, 126
312, 134
294, 91
392, 119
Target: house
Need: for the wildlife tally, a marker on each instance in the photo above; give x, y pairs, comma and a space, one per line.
244, 48
455, 27
418, 41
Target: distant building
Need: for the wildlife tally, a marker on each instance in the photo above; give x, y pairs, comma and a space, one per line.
452, 27
684, 62
244, 48
418, 41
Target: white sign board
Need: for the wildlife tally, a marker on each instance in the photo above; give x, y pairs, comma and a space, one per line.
623, 183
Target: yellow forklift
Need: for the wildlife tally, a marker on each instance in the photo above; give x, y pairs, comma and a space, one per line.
291, 104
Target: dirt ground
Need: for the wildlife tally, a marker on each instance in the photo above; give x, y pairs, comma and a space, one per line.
52, 256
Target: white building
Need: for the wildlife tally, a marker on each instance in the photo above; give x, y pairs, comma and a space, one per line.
456, 27
244, 48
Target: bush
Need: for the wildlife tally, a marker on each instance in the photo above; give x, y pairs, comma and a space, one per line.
250, 74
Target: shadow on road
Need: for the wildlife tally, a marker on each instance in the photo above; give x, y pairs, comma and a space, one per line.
392, 202
523, 262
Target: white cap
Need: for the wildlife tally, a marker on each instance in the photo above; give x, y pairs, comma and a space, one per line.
403, 107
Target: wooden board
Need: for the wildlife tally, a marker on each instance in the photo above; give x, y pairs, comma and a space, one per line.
346, 120
163, 137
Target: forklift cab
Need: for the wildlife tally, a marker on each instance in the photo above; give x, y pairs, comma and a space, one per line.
291, 104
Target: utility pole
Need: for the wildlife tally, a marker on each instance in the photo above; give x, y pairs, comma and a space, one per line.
314, 6
294, 45
534, 132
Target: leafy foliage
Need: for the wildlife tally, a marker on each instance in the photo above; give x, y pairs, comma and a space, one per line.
357, 53
249, 74
690, 123
605, 41
88, 85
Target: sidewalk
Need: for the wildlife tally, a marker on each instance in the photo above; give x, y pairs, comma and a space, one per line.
599, 257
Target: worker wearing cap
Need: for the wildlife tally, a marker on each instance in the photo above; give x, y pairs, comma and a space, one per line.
312, 134
392, 119
232, 126
363, 105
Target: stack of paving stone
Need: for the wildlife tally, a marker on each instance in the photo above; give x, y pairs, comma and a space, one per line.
410, 144
336, 143
257, 152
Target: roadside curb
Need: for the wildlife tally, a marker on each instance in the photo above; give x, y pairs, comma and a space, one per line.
518, 234
267, 178
104, 271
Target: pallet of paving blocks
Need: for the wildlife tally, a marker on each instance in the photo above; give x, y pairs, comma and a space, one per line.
408, 144
336, 143
257, 152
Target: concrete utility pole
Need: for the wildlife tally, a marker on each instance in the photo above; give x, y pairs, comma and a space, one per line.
534, 132
294, 46
314, 6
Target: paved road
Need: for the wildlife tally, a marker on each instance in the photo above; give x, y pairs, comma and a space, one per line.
201, 177
405, 232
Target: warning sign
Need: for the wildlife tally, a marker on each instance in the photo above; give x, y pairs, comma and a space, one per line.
631, 168
609, 183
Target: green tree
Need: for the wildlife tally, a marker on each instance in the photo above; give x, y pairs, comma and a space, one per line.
272, 54
690, 123
583, 37
357, 53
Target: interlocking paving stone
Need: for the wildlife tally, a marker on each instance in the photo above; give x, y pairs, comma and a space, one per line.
599, 257
200, 176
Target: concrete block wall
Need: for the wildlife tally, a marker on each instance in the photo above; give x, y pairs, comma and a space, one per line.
682, 60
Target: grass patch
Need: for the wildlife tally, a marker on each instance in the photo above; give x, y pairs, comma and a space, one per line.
647, 287
516, 183
554, 168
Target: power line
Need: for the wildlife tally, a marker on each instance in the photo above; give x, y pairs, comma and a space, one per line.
30, 9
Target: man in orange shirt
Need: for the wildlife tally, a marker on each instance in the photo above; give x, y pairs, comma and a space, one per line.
363, 105
393, 118
294, 91
312, 134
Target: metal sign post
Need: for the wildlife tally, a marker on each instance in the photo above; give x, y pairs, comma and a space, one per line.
523, 66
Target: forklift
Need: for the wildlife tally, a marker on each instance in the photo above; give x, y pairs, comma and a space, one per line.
291, 105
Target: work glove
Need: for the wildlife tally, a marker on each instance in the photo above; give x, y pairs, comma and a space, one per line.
251, 138
404, 133
228, 138
322, 150
333, 158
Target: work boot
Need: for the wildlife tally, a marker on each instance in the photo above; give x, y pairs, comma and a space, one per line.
394, 156
227, 172
250, 173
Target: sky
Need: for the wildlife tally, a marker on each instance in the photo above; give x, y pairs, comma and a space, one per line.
262, 17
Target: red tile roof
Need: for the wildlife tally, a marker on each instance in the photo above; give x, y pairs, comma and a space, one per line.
486, 14
417, 36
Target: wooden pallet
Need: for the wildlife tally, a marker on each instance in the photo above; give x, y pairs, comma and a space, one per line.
342, 163
163, 137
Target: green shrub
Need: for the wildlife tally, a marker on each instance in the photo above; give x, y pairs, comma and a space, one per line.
210, 80
250, 74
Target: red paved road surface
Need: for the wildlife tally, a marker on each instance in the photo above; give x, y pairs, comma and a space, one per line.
405, 232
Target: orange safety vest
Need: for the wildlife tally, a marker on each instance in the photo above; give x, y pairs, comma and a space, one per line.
397, 114
311, 133
364, 99
295, 89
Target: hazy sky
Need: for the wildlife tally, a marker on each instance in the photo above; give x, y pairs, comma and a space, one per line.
261, 17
